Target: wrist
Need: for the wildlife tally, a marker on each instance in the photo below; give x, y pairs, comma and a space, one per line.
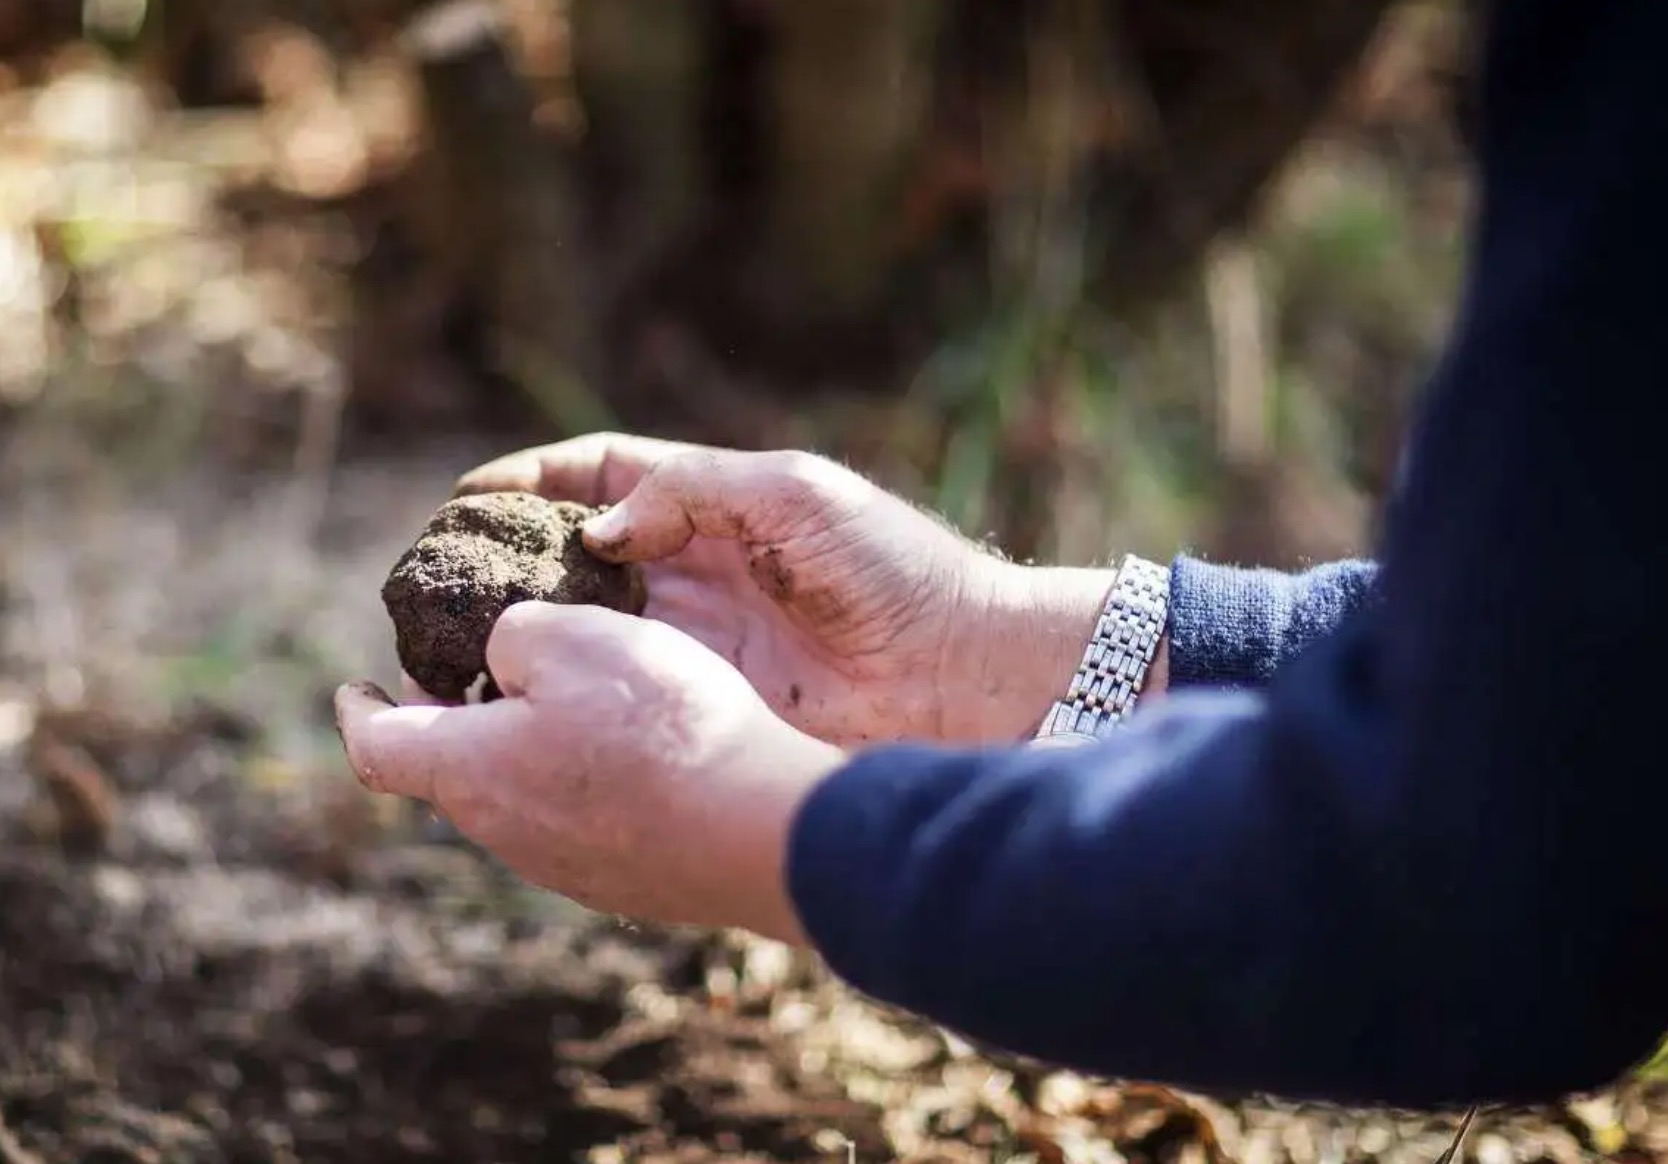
1017, 646
788, 768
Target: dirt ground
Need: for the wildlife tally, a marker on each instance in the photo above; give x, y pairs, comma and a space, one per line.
193, 1005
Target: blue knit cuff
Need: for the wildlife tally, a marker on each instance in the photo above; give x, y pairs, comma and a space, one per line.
1235, 627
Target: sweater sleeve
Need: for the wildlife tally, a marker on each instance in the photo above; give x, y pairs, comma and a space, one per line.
1422, 864
1235, 627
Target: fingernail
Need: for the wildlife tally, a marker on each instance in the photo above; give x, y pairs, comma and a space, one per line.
608, 529
371, 690
362, 689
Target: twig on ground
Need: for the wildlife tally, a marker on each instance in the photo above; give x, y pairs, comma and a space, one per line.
1459, 1137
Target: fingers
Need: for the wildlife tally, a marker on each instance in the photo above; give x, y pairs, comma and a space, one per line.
409, 751
595, 469
663, 493
718, 493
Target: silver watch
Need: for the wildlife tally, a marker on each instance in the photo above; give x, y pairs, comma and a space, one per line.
1116, 661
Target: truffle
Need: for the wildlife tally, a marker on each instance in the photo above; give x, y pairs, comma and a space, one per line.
479, 555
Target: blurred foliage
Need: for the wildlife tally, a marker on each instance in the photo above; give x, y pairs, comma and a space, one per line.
1084, 276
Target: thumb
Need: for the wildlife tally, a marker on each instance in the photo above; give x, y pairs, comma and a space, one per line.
717, 493
415, 750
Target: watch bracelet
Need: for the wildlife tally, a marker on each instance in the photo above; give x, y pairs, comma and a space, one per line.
1120, 653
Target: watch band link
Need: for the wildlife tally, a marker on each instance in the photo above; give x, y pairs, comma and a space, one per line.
1120, 652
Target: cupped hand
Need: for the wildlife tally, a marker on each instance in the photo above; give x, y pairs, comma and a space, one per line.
627, 767
855, 616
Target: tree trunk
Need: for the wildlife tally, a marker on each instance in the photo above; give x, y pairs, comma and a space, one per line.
1232, 88
641, 72
29, 29
501, 216
849, 102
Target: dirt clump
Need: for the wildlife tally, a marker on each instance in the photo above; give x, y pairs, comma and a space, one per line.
479, 555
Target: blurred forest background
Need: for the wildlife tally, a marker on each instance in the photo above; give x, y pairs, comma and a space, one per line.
1078, 273
1084, 275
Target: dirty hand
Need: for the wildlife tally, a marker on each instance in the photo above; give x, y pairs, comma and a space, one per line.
627, 767
857, 617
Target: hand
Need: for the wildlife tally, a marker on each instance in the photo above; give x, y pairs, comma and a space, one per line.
627, 767
857, 617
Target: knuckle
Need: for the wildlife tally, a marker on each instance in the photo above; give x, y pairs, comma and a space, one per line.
798, 476
698, 487
796, 465
591, 442
690, 471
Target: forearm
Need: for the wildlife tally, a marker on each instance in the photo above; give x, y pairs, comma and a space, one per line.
1421, 865
1435, 898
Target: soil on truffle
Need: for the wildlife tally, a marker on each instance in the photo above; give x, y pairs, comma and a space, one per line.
478, 556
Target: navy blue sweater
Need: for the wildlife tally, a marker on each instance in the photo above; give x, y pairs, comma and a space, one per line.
1399, 835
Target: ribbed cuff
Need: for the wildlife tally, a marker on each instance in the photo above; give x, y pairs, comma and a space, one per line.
1235, 627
